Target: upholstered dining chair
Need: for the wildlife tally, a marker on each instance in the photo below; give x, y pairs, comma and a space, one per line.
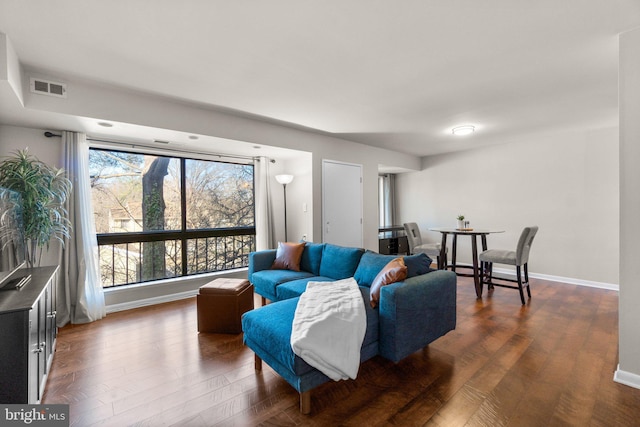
518, 258
416, 246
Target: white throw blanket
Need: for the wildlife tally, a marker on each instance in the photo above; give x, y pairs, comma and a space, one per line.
329, 326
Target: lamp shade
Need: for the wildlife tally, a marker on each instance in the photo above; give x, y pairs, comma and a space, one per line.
284, 179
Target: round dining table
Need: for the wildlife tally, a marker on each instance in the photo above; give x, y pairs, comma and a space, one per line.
473, 233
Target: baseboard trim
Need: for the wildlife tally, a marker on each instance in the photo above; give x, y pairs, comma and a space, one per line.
626, 378
569, 280
112, 308
138, 295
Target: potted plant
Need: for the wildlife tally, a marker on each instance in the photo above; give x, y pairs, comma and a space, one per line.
44, 190
460, 222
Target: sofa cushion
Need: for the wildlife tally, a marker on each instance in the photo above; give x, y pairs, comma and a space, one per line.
288, 256
370, 265
271, 326
294, 288
394, 271
266, 281
417, 264
311, 257
339, 262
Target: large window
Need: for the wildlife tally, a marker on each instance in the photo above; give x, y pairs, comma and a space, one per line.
159, 217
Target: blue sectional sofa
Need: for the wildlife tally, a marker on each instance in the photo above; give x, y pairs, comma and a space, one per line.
410, 314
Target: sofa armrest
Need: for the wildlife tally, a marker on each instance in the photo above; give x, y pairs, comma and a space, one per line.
415, 312
260, 260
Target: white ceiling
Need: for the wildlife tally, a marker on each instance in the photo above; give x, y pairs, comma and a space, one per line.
392, 74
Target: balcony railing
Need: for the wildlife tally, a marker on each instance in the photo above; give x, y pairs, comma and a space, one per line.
127, 258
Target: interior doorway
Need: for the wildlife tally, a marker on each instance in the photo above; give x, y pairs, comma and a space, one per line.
342, 203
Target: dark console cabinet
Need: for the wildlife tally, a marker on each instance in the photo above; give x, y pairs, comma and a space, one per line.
27, 336
393, 245
392, 240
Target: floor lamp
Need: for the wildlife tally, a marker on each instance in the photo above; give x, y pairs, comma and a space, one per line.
284, 180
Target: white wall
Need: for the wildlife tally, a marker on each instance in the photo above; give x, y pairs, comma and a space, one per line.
629, 313
14, 138
299, 196
299, 192
567, 184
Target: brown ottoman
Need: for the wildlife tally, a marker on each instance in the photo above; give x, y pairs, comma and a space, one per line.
221, 303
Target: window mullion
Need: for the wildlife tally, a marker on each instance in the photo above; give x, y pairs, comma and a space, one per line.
183, 209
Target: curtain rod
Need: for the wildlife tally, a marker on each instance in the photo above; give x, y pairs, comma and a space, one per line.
175, 150
134, 145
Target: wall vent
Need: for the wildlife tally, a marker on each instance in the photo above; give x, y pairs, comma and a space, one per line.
46, 87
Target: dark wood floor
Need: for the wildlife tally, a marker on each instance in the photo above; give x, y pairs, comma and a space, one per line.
548, 363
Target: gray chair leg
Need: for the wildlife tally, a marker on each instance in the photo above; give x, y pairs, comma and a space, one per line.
490, 268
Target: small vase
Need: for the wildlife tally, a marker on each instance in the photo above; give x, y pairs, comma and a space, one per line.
460, 224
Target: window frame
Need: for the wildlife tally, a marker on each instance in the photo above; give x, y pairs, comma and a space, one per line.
184, 234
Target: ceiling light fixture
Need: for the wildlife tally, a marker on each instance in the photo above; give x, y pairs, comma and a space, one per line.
105, 124
463, 130
193, 137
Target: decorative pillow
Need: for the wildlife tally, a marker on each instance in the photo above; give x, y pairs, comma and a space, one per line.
288, 256
417, 264
370, 265
394, 271
311, 257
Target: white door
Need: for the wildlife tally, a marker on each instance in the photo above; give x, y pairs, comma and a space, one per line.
342, 203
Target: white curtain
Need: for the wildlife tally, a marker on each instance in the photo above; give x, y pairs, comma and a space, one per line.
389, 203
264, 213
80, 296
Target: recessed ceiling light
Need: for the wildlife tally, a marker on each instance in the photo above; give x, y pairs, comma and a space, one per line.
463, 130
257, 147
193, 137
105, 124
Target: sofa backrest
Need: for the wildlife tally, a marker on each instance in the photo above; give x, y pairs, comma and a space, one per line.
339, 262
311, 257
372, 262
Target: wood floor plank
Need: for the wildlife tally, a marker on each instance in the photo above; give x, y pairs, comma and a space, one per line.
549, 362
461, 407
